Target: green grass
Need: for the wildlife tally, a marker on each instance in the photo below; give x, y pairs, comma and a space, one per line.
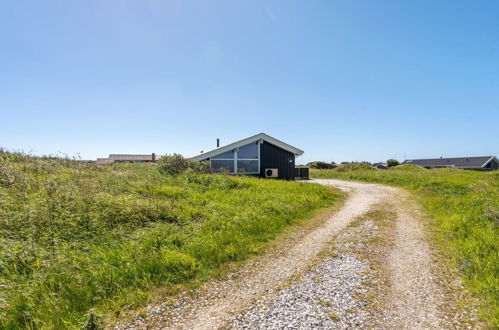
464, 206
76, 237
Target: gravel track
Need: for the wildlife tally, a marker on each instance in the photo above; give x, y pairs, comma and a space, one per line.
330, 292
330, 295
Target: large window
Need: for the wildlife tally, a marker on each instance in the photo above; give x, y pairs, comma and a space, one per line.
248, 166
249, 151
225, 166
223, 163
226, 155
243, 160
247, 159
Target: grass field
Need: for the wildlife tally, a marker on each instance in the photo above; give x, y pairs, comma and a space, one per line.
75, 236
464, 206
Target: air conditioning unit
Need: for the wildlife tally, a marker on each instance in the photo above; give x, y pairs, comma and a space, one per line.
271, 172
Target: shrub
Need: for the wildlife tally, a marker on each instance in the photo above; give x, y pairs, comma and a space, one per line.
176, 164
392, 162
354, 167
321, 165
199, 167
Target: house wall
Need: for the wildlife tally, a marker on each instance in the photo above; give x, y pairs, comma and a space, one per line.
493, 164
274, 157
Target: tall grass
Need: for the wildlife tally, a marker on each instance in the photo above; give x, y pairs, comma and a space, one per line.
76, 237
465, 209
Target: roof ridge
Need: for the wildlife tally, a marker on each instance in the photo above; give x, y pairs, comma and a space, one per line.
450, 157
241, 142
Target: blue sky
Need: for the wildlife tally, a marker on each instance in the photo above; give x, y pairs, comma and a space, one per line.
342, 80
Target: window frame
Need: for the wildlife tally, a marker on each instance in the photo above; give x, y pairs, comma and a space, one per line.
235, 159
211, 168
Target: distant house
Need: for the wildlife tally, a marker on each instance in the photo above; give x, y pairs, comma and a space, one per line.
260, 155
122, 158
469, 163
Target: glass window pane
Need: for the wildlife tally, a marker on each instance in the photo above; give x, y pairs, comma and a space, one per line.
226, 155
248, 151
247, 166
222, 166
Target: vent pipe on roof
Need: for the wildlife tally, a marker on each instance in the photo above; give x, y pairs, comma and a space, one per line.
218, 143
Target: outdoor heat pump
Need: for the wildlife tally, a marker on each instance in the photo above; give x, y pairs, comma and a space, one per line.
271, 172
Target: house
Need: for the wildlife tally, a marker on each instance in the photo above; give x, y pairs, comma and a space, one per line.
121, 158
484, 163
260, 155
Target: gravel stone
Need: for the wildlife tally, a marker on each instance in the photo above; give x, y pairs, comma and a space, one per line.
327, 296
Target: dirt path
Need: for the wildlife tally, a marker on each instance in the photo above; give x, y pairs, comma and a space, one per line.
414, 298
411, 300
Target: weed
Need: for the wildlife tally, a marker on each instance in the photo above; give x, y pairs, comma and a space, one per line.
317, 279
333, 316
92, 322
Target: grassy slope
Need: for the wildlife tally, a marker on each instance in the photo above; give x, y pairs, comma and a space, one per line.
75, 236
465, 207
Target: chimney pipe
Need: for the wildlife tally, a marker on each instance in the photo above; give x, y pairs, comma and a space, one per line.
218, 143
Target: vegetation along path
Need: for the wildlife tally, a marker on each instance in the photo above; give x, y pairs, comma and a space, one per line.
368, 265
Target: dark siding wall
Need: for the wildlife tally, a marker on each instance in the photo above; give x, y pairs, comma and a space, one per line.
274, 157
492, 164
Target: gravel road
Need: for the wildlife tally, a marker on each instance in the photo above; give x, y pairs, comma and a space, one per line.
330, 295
320, 279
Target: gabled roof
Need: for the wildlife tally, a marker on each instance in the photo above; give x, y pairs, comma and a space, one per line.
251, 139
459, 162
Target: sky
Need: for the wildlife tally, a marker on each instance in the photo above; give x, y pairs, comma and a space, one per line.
349, 80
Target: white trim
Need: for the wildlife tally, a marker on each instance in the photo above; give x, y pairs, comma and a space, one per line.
255, 138
236, 151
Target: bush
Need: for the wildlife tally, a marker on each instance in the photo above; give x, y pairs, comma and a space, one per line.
176, 164
321, 165
392, 162
354, 167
